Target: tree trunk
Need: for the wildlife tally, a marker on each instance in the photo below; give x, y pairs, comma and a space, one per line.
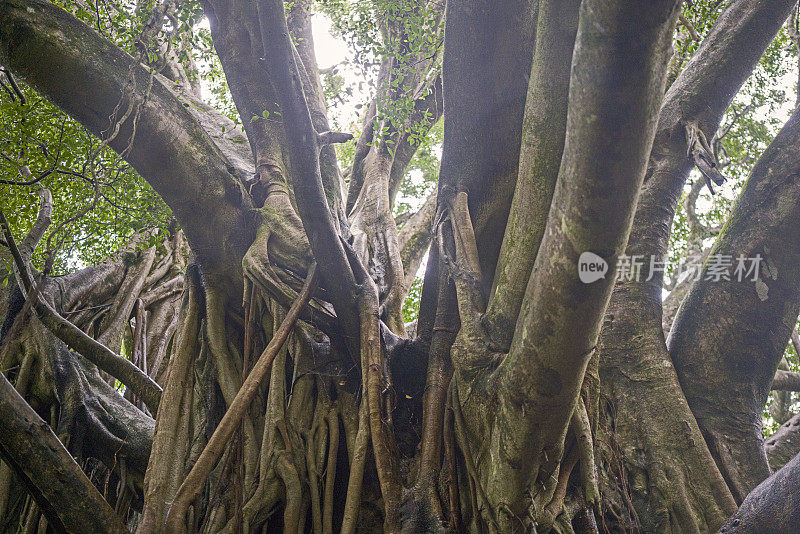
525, 400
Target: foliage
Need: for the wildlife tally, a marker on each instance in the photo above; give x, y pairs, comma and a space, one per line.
758, 111
411, 303
405, 36
39, 137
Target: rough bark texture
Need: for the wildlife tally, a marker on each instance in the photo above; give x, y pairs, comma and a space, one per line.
784, 444
68, 499
516, 409
526, 399
771, 506
663, 483
544, 127
728, 387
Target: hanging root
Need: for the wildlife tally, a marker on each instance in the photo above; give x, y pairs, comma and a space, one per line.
579, 449
547, 517
463, 263
194, 482
294, 492
162, 483
452, 473
357, 464
330, 475
373, 365
583, 435
382, 438
311, 448
480, 502
267, 493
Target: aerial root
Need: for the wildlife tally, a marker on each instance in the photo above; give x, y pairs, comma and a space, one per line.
357, 464
312, 446
583, 435
450, 457
330, 468
463, 261
554, 508
237, 410
383, 445
294, 492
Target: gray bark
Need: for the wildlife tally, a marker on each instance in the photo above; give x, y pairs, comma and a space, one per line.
728, 386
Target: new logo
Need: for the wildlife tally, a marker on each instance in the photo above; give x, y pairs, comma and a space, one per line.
591, 267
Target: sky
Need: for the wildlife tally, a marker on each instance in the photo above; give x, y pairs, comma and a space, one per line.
330, 50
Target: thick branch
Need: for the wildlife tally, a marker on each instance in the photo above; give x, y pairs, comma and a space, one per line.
699, 96
617, 78
786, 381
237, 42
43, 219
633, 346
544, 128
304, 150
383, 444
773, 506
414, 238
784, 444
728, 386
71, 65
68, 499
363, 147
94, 351
485, 100
299, 23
